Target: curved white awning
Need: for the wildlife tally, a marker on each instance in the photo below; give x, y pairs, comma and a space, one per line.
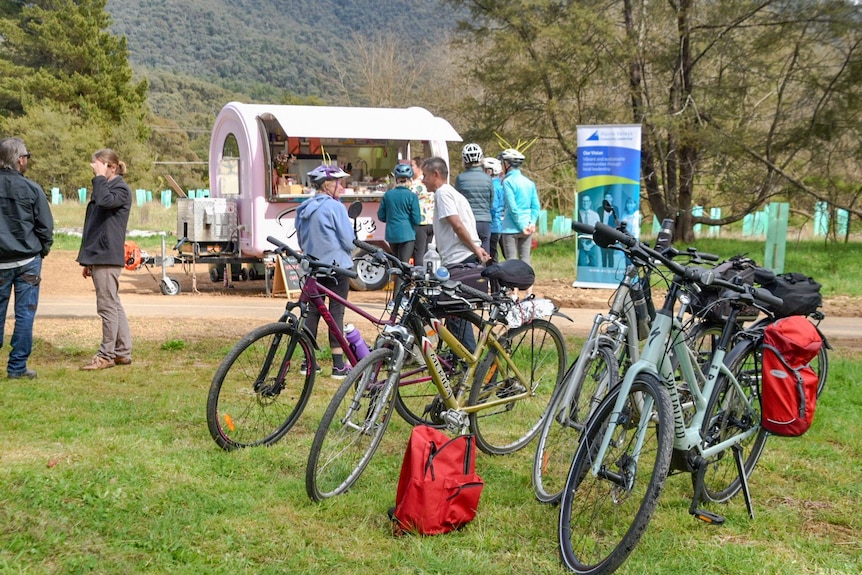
356, 123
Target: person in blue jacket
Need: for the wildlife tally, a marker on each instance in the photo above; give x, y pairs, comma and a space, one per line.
494, 168
325, 232
399, 210
522, 208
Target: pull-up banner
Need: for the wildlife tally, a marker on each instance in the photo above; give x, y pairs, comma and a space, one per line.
609, 166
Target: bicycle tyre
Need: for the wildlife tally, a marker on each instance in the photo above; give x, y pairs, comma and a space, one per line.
346, 439
417, 399
602, 519
590, 377
726, 416
246, 404
539, 351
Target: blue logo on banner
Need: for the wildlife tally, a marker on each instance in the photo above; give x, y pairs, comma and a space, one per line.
594, 137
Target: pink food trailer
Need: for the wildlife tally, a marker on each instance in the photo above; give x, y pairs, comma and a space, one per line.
260, 154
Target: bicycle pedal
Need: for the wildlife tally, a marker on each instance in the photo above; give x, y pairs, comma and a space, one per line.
708, 516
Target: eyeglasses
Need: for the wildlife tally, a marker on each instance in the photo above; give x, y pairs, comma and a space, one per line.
27, 155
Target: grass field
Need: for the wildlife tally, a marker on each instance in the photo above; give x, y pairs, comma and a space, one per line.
115, 472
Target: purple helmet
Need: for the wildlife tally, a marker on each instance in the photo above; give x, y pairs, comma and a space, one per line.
325, 172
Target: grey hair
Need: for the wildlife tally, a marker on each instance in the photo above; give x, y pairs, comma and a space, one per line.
436, 164
10, 150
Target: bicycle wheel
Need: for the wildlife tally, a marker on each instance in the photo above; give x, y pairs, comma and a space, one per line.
539, 352
586, 383
603, 515
417, 400
351, 428
729, 414
258, 392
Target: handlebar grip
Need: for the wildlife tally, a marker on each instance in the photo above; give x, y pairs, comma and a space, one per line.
345, 272
371, 249
605, 236
474, 293
283, 246
767, 297
708, 257
582, 228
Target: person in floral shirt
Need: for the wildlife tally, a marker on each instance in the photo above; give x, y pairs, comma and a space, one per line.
425, 230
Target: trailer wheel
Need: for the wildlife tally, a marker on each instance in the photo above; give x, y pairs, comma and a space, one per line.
170, 286
243, 274
372, 276
214, 274
252, 274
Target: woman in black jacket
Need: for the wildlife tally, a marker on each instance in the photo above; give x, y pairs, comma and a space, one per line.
102, 254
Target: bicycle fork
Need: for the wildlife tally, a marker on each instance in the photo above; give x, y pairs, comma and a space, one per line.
382, 392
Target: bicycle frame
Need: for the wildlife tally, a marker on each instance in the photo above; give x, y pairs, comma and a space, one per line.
314, 293
654, 360
622, 316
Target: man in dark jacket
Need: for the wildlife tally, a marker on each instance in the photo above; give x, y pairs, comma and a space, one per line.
477, 186
26, 236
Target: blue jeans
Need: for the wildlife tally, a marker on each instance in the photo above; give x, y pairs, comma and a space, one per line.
25, 279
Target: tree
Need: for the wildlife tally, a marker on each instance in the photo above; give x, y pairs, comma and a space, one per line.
736, 98
67, 88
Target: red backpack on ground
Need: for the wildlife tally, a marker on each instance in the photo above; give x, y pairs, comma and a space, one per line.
438, 490
789, 393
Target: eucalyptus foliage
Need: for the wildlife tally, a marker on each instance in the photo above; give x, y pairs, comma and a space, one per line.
742, 102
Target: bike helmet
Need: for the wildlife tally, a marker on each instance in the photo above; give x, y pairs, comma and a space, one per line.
472, 153
492, 164
403, 171
512, 156
325, 172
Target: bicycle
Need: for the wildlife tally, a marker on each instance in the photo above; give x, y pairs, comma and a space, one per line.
257, 394
501, 396
639, 432
258, 391
611, 346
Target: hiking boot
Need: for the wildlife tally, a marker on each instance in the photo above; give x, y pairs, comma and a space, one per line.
98, 362
120, 360
29, 374
340, 372
303, 369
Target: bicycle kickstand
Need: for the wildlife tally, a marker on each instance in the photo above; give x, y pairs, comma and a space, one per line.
743, 479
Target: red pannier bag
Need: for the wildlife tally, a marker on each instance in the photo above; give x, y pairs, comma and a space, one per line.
438, 490
789, 393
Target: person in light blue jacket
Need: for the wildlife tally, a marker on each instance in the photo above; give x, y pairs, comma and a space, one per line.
494, 168
324, 231
521, 207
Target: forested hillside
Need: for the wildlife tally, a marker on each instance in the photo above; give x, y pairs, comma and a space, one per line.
269, 50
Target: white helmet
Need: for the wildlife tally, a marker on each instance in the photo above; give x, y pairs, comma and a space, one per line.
512, 156
492, 164
472, 153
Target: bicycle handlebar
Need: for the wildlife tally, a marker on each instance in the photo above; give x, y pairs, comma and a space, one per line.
473, 292
696, 274
313, 262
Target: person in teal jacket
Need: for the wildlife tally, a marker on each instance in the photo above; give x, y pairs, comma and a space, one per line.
399, 210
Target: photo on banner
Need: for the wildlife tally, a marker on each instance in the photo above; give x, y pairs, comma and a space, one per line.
609, 163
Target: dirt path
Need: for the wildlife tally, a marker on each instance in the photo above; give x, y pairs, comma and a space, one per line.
67, 307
